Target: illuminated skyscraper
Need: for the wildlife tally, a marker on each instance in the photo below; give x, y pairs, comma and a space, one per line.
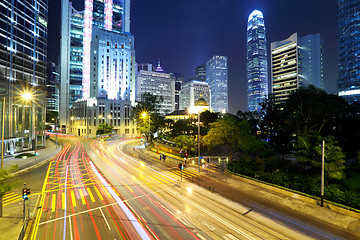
296, 62
349, 49
216, 77
23, 56
78, 49
257, 66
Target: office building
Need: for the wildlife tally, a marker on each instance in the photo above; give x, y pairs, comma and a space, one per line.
179, 80
217, 78
349, 49
23, 56
200, 72
256, 57
191, 92
87, 115
51, 88
296, 62
157, 83
101, 30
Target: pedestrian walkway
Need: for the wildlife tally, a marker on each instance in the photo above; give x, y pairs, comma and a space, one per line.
11, 223
43, 155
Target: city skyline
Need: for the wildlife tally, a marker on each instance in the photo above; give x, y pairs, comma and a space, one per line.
166, 27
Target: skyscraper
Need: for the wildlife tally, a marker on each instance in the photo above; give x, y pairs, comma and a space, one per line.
191, 91
23, 53
216, 77
257, 70
349, 49
200, 72
78, 74
157, 83
296, 62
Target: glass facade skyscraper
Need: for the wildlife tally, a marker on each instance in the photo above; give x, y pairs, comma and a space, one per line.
217, 78
257, 66
23, 53
349, 49
76, 53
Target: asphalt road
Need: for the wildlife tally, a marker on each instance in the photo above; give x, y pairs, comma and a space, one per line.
93, 190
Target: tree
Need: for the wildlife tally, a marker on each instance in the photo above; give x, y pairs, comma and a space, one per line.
182, 127
186, 142
224, 131
309, 151
104, 129
311, 109
149, 104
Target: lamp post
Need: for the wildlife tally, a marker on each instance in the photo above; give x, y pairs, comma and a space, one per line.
27, 96
2, 134
144, 114
200, 105
199, 138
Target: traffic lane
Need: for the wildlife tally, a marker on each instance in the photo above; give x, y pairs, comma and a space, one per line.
291, 228
86, 220
134, 191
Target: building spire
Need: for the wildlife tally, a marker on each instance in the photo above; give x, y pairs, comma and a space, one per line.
159, 68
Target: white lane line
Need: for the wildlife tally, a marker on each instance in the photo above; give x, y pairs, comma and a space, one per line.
64, 232
122, 205
201, 236
218, 218
143, 163
105, 219
71, 235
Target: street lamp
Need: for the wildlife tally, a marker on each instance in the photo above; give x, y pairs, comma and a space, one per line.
144, 114
109, 117
2, 134
199, 106
27, 96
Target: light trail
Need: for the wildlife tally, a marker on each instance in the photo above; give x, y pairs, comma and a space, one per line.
125, 209
66, 173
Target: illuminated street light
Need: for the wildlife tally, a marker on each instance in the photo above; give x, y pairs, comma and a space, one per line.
144, 115
28, 96
72, 118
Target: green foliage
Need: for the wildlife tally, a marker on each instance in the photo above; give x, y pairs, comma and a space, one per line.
51, 116
182, 127
186, 142
149, 104
208, 117
5, 184
104, 129
309, 151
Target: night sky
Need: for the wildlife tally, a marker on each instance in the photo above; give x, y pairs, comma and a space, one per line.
186, 33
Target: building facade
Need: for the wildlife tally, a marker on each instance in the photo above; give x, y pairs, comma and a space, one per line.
23, 56
51, 88
179, 80
191, 92
200, 72
112, 65
157, 83
296, 62
217, 78
83, 36
349, 49
256, 61
87, 115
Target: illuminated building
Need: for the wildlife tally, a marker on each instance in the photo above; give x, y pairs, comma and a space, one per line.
78, 49
216, 77
257, 70
179, 80
87, 115
23, 56
192, 91
157, 83
51, 88
349, 49
296, 62
200, 72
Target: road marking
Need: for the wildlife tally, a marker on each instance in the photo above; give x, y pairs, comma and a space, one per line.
105, 219
73, 199
63, 200
53, 202
201, 236
70, 226
82, 196
106, 191
91, 195
98, 193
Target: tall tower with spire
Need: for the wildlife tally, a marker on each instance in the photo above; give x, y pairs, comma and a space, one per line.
256, 57
159, 68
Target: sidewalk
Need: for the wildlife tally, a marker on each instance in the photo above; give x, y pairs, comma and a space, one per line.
24, 164
11, 223
235, 187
